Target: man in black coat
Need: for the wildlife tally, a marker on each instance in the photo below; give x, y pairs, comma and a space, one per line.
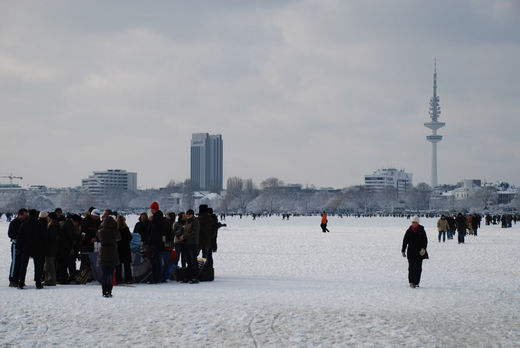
14, 227
208, 231
416, 241
155, 241
68, 238
461, 227
29, 243
89, 228
51, 248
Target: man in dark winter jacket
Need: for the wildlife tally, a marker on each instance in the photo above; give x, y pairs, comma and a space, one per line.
29, 243
14, 227
108, 235
68, 238
461, 227
89, 228
51, 248
208, 231
218, 225
155, 241
416, 241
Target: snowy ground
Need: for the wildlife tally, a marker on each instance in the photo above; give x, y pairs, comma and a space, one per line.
287, 284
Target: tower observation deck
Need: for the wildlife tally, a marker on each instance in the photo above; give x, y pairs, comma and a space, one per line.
434, 125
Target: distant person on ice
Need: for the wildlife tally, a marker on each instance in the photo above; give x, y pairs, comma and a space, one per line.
324, 222
416, 241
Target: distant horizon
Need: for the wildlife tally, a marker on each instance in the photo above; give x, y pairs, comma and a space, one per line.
258, 183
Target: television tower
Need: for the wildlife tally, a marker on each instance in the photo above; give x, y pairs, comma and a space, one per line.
435, 111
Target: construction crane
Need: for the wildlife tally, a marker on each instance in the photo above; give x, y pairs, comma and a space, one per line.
11, 177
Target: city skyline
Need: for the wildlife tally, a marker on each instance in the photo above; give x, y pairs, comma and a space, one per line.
315, 93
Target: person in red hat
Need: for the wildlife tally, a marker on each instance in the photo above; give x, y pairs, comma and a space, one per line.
155, 241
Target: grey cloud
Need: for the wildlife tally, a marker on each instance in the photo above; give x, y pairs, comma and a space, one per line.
317, 92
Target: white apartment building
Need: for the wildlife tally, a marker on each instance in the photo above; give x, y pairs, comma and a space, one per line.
389, 177
102, 182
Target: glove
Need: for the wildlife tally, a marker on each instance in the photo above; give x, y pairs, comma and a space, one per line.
402, 253
422, 252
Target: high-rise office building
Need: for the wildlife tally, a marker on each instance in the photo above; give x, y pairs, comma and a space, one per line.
206, 161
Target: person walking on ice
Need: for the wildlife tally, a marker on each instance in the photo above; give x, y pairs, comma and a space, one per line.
415, 241
324, 222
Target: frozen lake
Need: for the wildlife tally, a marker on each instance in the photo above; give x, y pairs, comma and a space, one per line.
287, 284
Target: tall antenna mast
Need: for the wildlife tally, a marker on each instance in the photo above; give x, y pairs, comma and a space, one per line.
434, 125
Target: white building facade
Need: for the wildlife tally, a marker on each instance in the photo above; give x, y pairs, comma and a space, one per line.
384, 178
102, 182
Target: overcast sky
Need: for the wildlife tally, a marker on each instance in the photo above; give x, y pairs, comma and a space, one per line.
311, 92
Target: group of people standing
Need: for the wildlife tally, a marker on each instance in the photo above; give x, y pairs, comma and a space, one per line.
56, 242
48, 238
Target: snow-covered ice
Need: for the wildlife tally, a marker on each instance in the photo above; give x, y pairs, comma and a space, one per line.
287, 284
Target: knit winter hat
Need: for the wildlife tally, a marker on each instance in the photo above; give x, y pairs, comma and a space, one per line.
154, 206
96, 212
415, 219
43, 214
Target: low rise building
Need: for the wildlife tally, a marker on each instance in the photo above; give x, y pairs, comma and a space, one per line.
102, 182
384, 178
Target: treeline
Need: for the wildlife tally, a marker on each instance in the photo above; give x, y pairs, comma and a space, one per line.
270, 196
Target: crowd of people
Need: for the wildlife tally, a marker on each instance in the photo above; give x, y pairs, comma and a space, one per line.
447, 225
55, 242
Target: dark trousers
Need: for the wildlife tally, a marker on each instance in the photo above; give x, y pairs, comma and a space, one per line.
324, 228
156, 264
180, 254
208, 255
65, 266
15, 264
461, 236
443, 234
85, 260
414, 270
127, 270
192, 250
38, 268
107, 279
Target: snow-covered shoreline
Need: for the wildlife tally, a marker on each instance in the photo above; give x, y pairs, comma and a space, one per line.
285, 283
